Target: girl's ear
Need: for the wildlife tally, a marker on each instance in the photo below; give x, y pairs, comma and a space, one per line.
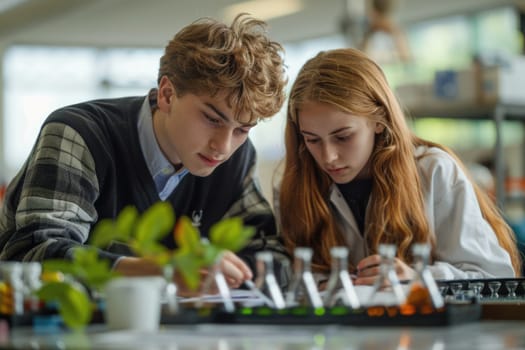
165, 94
379, 128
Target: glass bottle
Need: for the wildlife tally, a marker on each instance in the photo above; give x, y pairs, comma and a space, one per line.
216, 276
11, 290
340, 286
423, 293
170, 289
303, 289
387, 290
511, 289
494, 287
266, 282
31, 273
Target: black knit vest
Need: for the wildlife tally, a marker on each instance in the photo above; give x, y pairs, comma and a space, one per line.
109, 128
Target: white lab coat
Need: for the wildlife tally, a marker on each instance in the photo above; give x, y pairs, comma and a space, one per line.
466, 245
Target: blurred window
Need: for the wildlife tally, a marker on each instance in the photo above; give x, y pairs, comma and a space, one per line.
38, 80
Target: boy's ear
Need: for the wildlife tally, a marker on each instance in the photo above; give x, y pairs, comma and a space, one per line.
165, 94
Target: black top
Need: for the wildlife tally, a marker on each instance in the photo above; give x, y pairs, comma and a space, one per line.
356, 194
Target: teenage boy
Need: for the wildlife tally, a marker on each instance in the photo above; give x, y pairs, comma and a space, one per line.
186, 142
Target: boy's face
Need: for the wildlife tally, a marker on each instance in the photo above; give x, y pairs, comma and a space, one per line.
197, 130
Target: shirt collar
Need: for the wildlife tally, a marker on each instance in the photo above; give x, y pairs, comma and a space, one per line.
155, 159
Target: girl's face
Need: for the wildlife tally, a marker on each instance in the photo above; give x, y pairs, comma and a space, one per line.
340, 143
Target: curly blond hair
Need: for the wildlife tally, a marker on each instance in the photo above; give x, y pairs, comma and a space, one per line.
208, 57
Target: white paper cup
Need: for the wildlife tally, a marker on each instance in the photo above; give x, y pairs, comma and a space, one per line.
134, 303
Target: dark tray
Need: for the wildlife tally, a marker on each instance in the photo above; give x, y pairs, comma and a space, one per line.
380, 316
453, 313
505, 309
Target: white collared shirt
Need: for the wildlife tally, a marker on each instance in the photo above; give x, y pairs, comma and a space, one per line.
466, 245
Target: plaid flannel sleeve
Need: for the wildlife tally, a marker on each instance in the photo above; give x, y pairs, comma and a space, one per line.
255, 211
57, 189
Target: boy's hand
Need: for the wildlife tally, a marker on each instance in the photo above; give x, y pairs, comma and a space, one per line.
234, 269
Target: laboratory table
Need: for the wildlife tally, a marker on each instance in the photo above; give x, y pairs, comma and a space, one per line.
489, 335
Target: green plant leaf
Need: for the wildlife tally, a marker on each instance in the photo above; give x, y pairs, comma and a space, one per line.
126, 221
187, 237
155, 223
98, 274
76, 309
63, 266
230, 234
89, 268
120, 229
148, 249
210, 254
189, 266
84, 256
73, 303
103, 233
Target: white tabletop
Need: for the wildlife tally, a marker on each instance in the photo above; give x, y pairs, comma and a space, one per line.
489, 335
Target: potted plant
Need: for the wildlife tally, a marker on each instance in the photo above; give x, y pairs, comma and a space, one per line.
142, 233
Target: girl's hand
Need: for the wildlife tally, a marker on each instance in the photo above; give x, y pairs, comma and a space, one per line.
368, 270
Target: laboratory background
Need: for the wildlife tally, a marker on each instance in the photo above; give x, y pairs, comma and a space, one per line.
457, 67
